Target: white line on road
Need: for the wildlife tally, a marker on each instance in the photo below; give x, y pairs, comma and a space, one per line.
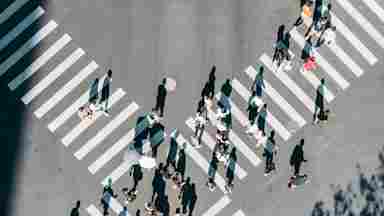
68, 87
362, 21
239, 213
201, 161
112, 151
240, 145
353, 40
8, 38
321, 61
52, 76
30, 44
11, 9
218, 206
39, 62
72, 109
375, 8
83, 125
103, 133
210, 142
278, 99
93, 211
272, 120
290, 84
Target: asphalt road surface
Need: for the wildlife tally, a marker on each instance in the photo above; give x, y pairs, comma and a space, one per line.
51, 51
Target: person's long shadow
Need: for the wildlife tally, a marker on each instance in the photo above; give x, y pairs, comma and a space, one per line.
12, 110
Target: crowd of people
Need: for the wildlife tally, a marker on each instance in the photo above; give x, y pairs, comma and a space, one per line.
317, 21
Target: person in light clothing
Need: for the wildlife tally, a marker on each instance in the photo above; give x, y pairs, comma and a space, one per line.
199, 127
328, 37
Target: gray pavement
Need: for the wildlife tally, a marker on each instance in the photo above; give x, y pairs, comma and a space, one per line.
142, 42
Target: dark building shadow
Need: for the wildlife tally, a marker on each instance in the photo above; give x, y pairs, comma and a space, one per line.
12, 109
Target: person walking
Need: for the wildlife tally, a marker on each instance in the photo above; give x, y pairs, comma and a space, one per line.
75, 210
162, 205
193, 200
269, 150
200, 122
94, 91
258, 84
297, 157
213, 165
186, 195
105, 92
161, 96
158, 185
262, 118
156, 137
226, 88
137, 175
319, 102
211, 82
138, 212
108, 193
124, 212
328, 37
231, 166
253, 108
172, 152
180, 167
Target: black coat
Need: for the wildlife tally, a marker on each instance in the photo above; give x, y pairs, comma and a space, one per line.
161, 92
156, 134
181, 163
297, 155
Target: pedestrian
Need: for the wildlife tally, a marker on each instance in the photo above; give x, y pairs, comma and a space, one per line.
162, 205
279, 45
297, 157
253, 108
269, 150
193, 200
231, 166
137, 175
94, 91
75, 210
262, 118
105, 92
202, 107
258, 84
156, 137
180, 167
124, 212
138, 212
211, 83
305, 14
327, 37
213, 165
172, 152
319, 102
107, 195
226, 88
158, 185
186, 195
205, 91
161, 96
200, 122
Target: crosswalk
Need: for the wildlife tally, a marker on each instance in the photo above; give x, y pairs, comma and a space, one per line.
290, 97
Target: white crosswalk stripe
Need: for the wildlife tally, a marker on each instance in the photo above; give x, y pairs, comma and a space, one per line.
200, 160
218, 206
375, 8
30, 44
240, 145
83, 125
39, 62
290, 84
277, 98
112, 151
93, 211
210, 142
68, 87
353, 40
11, 9
108, 129
362, 21
321, 61
69, 111
10, 36
239, 213
271, 119
51, 77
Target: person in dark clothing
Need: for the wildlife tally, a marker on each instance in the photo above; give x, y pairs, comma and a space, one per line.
161, 96
193, 200
138, 212
186, 195
202, 107
94, 91
297, 157
211, 83
205, 91
262, 118
141, 133
162, 204
231, 166
279, 45
158, 185
258, 83
226, 88
75, 210
107, 195
252, 108
105, 90
269, 150
137, 175
172, 152
307, 50
319, 103
156, 137
213, 165
180, 167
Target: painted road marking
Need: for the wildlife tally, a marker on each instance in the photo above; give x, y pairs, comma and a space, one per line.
375, 8
218, 206
93, 211
11, 9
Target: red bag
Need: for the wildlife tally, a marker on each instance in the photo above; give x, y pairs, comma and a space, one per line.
310, 64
